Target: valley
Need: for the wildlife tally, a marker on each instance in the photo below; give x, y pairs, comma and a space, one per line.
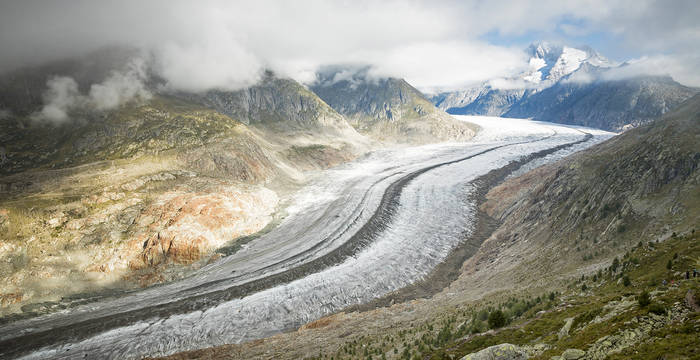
342, 180
361, 213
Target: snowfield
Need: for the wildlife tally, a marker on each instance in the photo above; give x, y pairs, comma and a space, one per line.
359, 231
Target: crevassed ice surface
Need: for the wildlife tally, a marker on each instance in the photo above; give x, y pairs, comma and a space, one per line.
433, 216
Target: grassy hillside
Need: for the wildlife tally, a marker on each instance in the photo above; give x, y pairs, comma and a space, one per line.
603, 310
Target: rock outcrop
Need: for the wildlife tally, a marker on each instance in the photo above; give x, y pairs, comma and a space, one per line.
182, 227
387, 109
499, 352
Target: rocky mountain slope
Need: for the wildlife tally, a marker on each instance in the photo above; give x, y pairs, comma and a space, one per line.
570, 86
387, 109
578, 244
611, 105
620, 312
147, 190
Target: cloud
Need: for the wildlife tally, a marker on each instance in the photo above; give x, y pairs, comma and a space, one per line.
678, 67
447, 65
218, 61
61, 96
120, 87
227, 44
581, 77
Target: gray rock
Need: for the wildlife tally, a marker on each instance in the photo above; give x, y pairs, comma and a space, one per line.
573, 354
499, 352
564, 331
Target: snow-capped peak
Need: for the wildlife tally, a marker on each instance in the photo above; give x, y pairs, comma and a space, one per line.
549, 63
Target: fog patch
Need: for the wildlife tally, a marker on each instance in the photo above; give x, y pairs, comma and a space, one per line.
63, 96
355, 75
678, 67
581, 77
121, 87
198, 67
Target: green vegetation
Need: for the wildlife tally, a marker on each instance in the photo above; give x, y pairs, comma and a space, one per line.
644, 299
496, 319
608, 309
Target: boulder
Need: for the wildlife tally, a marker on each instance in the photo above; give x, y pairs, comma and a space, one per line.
499, 352
564, 331
573, 354
57, 221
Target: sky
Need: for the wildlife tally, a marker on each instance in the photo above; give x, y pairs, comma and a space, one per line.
200, 45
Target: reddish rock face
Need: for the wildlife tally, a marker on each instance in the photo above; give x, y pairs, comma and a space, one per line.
184, 227
9, 299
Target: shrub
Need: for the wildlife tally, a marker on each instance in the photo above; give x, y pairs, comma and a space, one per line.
657, 309
483, 315
584, 287
669, 264
615, 264
644, 299
586, 317
626, 281
477, 327
519, 308
496, 319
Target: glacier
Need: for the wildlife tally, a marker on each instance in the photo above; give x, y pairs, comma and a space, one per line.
326, 233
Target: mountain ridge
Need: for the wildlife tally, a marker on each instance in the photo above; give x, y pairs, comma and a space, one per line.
570, 86
388, 109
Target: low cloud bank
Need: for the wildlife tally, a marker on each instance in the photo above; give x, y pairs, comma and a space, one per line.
674, 67
62, 94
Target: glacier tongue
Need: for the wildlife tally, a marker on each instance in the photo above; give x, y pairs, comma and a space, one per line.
432, 216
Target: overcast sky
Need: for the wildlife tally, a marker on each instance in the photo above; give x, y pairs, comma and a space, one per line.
433, 44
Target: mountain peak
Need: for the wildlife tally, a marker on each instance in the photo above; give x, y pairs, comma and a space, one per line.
551, 62
544, 50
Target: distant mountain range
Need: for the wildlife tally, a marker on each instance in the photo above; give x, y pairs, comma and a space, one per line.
571, 86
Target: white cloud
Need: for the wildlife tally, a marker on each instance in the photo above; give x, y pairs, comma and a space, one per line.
226, 44
120, 87
678, 67
447, 64
211, 64
61, 96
